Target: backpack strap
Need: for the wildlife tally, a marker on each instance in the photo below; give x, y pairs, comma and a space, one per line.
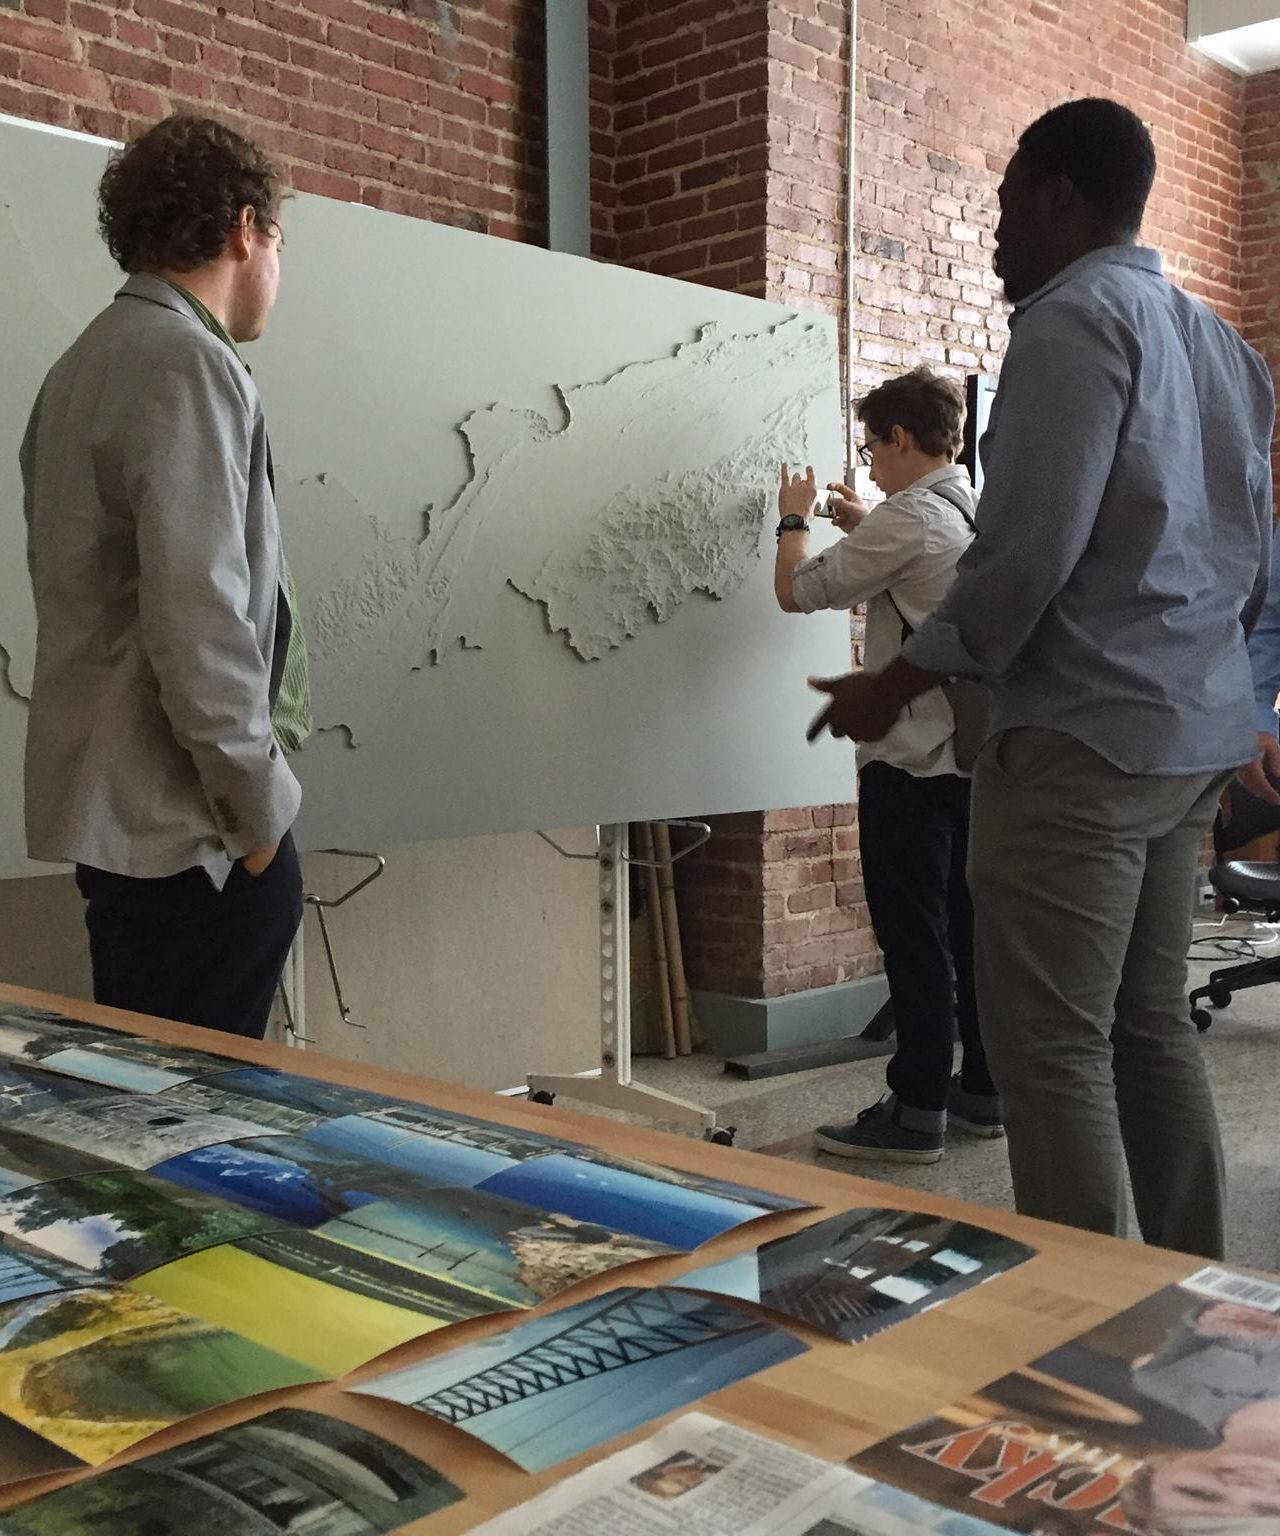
951, 501
957, 503
907, 630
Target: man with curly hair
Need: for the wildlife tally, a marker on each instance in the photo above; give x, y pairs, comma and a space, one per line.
170, 673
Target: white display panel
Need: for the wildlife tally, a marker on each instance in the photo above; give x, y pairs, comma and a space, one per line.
529, 504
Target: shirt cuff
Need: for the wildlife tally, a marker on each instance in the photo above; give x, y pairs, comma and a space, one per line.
937, 647
808, 587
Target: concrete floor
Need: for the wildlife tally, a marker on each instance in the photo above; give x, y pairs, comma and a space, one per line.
1242, 1048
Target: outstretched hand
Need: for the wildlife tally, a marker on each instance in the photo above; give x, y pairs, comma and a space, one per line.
858, 707
797, 494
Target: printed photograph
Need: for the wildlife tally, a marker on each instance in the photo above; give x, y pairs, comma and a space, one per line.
512, 1142
369, 1274
862, 1270
558, 1385
505, 1252
24, 1455
297, 1181
876, 1509
289, 1473
132, 1065
26, 1160
25, 1013
327, 1101
303, 1301
136, 1131
588, 1189
433, 1148
764, 1199
95, 1371
1163, 1420
208, 1097
113, 1226
35, 1274
677, 1475
31, 1035
100, 1064
25, 1089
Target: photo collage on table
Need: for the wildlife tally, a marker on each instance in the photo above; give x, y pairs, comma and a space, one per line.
179, 1230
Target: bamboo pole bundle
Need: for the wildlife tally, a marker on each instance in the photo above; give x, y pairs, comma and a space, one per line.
657, 928
675, 950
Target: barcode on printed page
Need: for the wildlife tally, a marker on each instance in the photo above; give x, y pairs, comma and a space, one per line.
1222, 1284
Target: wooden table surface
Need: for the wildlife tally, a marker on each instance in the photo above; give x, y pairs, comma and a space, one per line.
832, 1401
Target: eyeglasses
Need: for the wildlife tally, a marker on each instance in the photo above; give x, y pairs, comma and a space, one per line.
866, 452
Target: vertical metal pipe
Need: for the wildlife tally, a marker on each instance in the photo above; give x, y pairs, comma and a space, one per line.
850, 239
568, 127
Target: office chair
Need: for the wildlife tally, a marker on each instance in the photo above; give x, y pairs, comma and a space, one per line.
1247, 877
1244, 887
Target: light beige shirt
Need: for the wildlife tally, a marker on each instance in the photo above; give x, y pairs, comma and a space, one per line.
908, 545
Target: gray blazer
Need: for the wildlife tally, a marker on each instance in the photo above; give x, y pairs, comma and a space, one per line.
155, 558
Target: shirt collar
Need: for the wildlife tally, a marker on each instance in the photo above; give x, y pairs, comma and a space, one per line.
159, 290
207, 318
938, 476
1140, 257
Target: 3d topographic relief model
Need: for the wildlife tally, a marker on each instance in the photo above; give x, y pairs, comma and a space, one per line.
653, 487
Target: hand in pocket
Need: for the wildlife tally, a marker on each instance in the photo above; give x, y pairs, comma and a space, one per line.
259, 862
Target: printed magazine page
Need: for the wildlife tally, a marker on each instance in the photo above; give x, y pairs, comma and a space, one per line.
1163, 1420
862, 1270
702, 1477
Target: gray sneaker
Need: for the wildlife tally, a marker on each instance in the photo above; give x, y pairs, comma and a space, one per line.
978, 1114
878, 1135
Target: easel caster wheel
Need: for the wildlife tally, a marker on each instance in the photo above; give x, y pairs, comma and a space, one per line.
722, 1135
1220, 997
542, 1097
1201, 1018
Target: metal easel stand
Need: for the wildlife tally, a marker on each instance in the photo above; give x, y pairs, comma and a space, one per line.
292, 988
612, 1088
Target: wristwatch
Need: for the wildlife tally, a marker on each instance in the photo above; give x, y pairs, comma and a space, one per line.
792, 523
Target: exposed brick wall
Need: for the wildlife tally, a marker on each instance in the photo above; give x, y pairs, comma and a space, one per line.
690, 131
434, 109
775, 904
824, 933
1260, 235
944, 89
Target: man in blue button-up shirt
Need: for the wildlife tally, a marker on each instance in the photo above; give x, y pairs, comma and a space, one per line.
1121, 560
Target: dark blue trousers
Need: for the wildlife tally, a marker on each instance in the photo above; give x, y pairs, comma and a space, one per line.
913, 835
178, 948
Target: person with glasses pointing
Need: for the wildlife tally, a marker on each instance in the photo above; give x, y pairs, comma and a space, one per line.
913, 803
